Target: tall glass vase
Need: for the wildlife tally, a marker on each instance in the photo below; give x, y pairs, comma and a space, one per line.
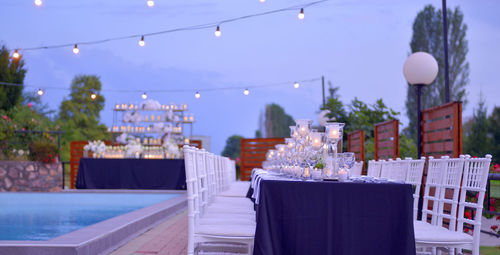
334, 132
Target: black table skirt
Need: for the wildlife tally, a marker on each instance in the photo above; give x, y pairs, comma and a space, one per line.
334, 218
131, 174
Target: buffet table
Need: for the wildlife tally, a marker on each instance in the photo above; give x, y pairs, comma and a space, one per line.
131, 174
305, 217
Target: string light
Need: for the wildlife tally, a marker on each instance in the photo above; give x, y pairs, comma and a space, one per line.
150, 3
185, 28
16, 54
301, 14
197, 95
262, 1
142, 42
40, 92
38, 2
217, 32
76, 50
246, 92
296, 85
144, 96
93, 96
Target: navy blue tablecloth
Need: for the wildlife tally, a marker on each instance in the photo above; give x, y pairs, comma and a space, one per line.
131, 174
334, 218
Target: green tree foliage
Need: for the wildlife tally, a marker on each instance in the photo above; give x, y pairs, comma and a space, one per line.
277, 122
79, 115
494, 133
477, 141
232, 148
428, 37
335, 105
11, 71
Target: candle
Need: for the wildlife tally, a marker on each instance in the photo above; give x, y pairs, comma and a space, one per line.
117, 106
333, 133
343, 175
306, 172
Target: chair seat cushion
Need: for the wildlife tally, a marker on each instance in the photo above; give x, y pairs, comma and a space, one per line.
226, 219
226, 230
427, 233
215, 208
228, 215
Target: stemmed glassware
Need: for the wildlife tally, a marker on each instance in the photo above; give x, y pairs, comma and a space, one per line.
334, 133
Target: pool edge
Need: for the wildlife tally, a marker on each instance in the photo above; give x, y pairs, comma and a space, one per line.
105, 236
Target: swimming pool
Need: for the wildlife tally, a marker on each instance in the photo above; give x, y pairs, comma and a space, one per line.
42, 216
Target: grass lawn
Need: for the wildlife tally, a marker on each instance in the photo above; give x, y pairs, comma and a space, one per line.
489, 250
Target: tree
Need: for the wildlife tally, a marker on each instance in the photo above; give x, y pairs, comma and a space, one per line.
277, 123
477, 142
494, 133
428, 37
334, 105
232, 149
11, 71
79, 115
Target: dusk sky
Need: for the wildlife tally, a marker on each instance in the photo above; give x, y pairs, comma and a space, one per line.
358, 45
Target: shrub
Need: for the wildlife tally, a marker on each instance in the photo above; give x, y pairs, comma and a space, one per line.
43, 151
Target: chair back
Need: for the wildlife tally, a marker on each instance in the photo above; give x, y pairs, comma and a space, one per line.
474, 182
450, 188
374, 168
192, 192
386, 169
414, 177
399, 169
356, 169
433, 183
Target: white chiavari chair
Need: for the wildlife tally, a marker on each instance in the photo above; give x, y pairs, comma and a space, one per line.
374, 168
399, 169
414, 177
356, 169
386, 169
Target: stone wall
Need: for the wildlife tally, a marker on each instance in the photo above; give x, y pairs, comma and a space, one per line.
30, 176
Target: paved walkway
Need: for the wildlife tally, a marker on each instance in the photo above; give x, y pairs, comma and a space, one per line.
170, 237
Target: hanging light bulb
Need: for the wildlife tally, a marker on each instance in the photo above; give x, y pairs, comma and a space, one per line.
217, 32
296, 85
142, 42
76, 50
16, 54
144, 95
262, 1
93, 96
246, 92
301, 14
197, 95
38, 2
40, 92
150, 3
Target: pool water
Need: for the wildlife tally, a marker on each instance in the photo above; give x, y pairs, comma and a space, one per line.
43, 216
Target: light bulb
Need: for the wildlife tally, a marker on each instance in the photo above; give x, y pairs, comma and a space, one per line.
197, 95
246, 92
296, 85
16, 54
301, 14
150, 3
144, 95
93, 96
40, 92
76, 50
38, 2
142, 42
262, 1
217, 32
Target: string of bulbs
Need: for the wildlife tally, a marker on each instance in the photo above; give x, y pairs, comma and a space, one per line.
246, 90
76, 50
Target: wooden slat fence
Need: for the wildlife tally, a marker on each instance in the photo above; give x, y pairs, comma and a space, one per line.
386, 140
356, 144
442, 130
253, 153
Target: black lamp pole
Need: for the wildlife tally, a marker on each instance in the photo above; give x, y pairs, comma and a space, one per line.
419, 119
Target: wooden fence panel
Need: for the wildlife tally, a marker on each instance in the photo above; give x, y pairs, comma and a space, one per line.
386, 140
356, 144
253, 153
442, 130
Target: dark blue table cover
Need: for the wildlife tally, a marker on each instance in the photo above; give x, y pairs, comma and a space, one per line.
334, 218
131, 174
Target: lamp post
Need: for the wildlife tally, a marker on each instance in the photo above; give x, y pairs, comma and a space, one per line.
420, 69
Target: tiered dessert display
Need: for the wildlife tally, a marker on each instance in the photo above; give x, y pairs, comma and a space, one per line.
147, 130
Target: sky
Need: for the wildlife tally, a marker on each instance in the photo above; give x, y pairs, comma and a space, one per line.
358, 45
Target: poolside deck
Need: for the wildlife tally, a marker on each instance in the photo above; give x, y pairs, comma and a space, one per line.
170, 237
